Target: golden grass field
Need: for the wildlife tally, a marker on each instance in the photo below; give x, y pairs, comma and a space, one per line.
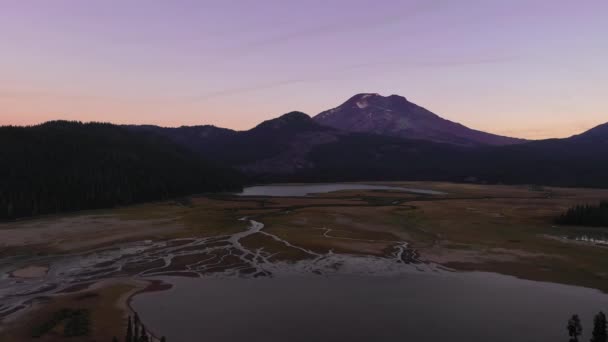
503, 229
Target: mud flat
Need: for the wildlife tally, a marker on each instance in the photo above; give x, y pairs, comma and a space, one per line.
219, 256
32, 271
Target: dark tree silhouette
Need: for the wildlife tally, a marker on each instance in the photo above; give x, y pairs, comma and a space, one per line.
144, 335
575, 329
586, 215
136, 324
136, 333
129, 336
599, 328
66, 166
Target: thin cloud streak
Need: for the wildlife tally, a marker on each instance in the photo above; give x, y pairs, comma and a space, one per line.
337, 27
34, 94
287, 82
436, 63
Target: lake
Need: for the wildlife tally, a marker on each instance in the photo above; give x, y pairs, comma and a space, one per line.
423, 306
298, 190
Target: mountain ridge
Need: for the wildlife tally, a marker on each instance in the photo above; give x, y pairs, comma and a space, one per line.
395, 116
297, 147
100, 165
293, 147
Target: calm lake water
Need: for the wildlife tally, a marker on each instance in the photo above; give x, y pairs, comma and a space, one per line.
286, 190
441, 306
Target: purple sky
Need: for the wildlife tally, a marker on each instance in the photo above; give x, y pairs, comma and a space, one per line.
526, 68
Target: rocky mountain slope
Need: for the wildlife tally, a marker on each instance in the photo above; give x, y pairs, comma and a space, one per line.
396, 116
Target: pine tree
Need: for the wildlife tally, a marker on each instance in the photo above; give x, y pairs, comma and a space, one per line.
136, 334
144, 336
575, 329
129, 336
136, 324
599, 328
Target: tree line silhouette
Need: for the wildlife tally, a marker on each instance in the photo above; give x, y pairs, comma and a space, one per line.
599, 333
586, 215
65, 166
137, 332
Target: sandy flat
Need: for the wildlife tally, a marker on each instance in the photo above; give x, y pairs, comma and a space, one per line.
34, 271
81, 232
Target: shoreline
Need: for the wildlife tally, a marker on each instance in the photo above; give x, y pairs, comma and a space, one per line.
124, 303
498, 229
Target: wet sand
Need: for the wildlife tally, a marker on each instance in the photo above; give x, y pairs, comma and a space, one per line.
29, 272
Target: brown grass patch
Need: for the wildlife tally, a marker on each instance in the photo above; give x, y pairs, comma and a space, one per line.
105, 304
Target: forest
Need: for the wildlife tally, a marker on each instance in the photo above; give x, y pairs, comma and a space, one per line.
66, 166
586, 215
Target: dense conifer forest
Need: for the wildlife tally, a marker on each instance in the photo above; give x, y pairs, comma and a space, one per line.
64, 166
586, 215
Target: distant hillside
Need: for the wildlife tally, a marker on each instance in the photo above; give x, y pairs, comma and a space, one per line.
576, 161
558, 162
62, 166
195, 138
596, 135
294, 147
277, 146
397, 117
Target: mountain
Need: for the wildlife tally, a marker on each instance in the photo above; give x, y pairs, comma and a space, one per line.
293, 122
195, 138
280, 145
578, 161
396, 116
597, 134
63, 166
274, 147
294, 147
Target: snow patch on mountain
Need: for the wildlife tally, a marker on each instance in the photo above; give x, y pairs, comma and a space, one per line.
362, 104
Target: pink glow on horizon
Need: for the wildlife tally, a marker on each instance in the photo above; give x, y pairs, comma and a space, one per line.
525, 68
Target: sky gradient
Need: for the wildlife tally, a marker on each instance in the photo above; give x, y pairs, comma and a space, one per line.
524, 68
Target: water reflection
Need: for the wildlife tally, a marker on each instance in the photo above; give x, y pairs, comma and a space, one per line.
424, 306
594, 239
308, 189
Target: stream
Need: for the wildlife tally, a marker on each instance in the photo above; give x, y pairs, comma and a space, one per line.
217, 256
